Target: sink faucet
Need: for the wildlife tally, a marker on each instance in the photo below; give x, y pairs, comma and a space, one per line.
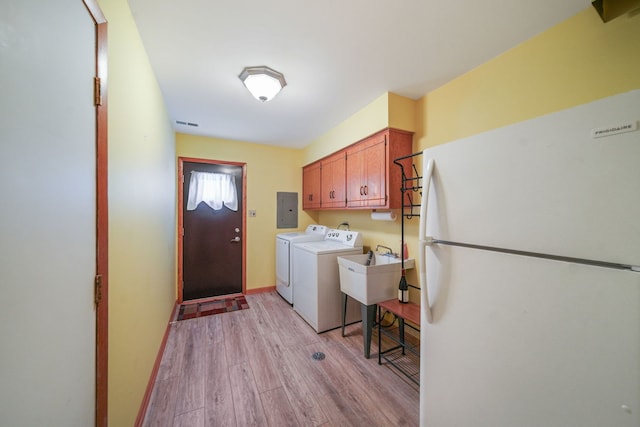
390, 251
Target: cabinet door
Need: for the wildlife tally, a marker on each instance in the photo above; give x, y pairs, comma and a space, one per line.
375, 172
333, 181
399, 144
311, 186
366, 172
355, 185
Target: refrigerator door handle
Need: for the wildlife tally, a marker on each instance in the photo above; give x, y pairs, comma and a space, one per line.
424, 241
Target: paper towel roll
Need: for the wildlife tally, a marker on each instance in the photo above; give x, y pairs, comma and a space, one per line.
383, 216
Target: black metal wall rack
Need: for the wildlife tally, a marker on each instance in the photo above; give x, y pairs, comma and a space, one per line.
411, 185
401, 355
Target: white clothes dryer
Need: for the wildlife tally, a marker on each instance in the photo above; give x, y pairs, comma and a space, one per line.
318, 299
284, 256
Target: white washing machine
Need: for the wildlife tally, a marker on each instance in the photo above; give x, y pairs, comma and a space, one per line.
284, 256
318, 299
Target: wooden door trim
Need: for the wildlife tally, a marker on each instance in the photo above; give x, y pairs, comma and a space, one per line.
180, 230
102, 216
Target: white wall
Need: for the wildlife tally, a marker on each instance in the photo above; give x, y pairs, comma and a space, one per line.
47, 219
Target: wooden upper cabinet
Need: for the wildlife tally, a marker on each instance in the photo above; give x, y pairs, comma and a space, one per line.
366, 172
362, 175
400, 145
311, 178
333, 181
373, 181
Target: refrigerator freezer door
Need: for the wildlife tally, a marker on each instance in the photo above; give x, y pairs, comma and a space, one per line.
544, 185
518, 341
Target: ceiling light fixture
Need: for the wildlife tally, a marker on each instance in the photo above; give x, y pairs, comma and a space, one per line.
263, 82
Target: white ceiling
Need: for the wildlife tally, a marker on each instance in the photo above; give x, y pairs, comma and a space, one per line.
337, 55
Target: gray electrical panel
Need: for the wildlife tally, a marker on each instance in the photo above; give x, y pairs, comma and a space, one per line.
287, 210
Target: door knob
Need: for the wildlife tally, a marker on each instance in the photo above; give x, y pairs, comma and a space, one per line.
235, 239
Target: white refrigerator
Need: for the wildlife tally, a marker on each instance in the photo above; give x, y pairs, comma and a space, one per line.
530, 273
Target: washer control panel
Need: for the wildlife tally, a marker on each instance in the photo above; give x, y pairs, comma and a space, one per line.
346, 237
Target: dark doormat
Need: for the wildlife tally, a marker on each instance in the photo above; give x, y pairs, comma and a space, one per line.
201, 309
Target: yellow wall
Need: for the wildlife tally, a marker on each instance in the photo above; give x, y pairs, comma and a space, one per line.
141, 216
365, 122
388, 110
269, 169
579, 60
402, 112
575, 62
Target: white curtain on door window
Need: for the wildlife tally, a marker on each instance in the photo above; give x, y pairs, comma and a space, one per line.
214, 189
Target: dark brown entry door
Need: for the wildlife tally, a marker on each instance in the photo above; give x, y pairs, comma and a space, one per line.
212, 241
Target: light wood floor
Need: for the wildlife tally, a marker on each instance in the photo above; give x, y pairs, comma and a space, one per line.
255, 368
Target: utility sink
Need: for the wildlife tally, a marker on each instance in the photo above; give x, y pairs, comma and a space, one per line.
373, 283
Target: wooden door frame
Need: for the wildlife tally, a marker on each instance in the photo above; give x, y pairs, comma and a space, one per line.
180, 230
102, 215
